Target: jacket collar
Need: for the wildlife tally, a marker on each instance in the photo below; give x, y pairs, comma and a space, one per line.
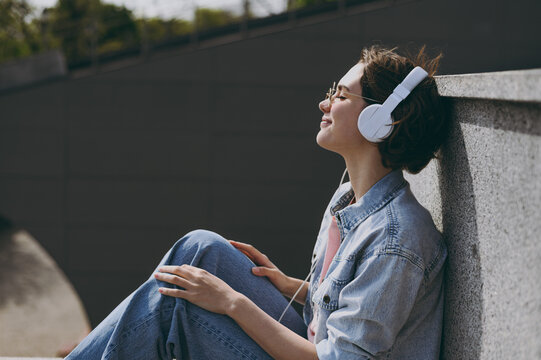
374, 199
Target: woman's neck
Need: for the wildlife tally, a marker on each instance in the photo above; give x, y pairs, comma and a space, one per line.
365, 171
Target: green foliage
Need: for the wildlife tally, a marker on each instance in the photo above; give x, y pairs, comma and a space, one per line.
18, 38
116, 25
85, 29
88, 28
296, 4
209, 18
155, 30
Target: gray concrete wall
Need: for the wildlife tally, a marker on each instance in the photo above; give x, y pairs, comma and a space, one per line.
484, 196
108, 171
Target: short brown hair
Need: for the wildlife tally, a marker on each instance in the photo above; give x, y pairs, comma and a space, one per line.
420, 125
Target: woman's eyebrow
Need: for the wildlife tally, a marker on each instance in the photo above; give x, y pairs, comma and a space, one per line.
340, 86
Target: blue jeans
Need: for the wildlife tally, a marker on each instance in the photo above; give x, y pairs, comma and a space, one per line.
148, 325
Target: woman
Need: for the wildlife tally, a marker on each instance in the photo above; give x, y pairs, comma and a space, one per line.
378, 261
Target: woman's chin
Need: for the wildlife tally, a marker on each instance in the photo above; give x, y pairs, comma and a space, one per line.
324, 141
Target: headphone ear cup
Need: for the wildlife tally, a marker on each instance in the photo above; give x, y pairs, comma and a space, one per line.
374, 123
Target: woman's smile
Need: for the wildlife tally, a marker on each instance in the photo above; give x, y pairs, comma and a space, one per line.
325, 122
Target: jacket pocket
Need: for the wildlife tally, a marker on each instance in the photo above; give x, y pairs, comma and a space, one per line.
327, 294
341, 271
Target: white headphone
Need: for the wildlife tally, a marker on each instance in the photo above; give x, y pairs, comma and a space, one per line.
375, 121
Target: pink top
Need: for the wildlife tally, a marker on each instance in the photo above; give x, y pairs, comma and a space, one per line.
333, 243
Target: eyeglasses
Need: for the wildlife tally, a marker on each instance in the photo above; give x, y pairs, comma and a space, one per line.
332, 91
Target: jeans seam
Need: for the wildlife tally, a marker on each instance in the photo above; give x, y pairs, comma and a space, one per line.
245, 353
144, 322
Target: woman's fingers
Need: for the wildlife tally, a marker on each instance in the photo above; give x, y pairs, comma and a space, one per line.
271, 273
174, 292
172, 279
247, 254
262, 271
241, 249
199, 287
255, 255
279, 279
183, 270
176, 275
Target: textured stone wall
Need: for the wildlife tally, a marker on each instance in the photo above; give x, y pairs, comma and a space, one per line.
484, 194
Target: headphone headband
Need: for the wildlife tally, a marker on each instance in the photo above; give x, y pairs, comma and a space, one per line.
375, 121
403, 89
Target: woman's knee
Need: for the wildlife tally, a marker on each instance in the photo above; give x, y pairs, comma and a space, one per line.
205, 238
202, 240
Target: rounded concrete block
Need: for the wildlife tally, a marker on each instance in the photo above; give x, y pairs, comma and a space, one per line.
40, 312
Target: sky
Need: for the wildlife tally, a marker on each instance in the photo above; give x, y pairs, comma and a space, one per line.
182, 8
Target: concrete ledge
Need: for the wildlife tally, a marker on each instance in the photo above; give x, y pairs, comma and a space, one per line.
33, 69
515, 85
484, 195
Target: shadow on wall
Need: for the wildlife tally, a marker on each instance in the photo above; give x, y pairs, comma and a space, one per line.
462, 328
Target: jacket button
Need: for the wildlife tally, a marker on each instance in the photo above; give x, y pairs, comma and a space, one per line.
326, 299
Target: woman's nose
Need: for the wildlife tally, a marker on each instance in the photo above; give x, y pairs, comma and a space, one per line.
325, 105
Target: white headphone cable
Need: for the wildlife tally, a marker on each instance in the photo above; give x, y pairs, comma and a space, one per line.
343, 176
298, 290
312, 267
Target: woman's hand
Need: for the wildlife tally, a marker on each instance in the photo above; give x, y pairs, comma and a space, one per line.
198, 287
266, 268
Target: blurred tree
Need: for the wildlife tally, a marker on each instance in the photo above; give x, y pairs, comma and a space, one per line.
208, 18
17, 36
159, 30
296, 4
117, 28
43, 23
73, 23
87, 28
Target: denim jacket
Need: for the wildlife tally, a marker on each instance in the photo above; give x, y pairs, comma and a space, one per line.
382, 296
